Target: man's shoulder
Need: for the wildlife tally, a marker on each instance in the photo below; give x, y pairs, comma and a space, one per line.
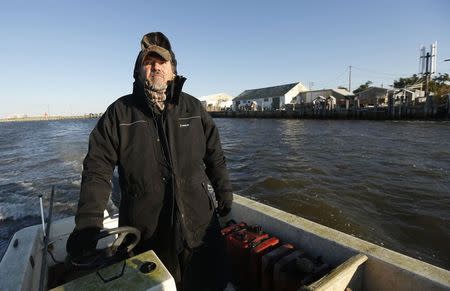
122, 102
122, 108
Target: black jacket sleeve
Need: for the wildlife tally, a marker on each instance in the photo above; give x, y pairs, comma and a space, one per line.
98, 167
215, 161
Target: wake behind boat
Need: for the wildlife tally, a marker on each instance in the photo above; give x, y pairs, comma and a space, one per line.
357, 264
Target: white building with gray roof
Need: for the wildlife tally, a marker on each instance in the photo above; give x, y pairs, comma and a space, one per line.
335, 97
269, 98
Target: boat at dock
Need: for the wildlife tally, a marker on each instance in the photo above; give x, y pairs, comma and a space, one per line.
358, 265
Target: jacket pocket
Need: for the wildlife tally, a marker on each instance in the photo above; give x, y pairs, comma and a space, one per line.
196, 204
185, 122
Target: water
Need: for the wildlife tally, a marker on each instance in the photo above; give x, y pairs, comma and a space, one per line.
386, 182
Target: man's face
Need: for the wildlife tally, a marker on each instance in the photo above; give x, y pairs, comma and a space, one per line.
156, 71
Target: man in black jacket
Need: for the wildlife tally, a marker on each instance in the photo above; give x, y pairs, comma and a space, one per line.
166, 148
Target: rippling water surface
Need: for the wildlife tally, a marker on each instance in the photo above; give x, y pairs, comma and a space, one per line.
386, 182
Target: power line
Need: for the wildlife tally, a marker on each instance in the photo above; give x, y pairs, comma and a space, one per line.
376, 75
333, 79
377, 72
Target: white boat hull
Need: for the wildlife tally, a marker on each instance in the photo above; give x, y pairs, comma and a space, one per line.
365, 266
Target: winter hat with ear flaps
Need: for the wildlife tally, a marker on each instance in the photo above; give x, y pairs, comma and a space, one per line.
155, 42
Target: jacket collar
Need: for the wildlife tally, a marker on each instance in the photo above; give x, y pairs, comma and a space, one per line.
173, 92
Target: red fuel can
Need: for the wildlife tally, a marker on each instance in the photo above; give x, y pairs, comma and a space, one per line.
239, 244
256, 255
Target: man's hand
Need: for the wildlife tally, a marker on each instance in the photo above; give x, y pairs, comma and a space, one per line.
82, 241
224, 207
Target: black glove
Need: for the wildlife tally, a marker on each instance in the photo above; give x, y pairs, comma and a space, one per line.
82, 241
224, 207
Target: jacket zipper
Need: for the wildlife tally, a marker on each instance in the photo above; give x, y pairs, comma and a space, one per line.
167, 159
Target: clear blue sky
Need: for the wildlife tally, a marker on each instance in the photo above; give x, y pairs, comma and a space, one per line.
72, 57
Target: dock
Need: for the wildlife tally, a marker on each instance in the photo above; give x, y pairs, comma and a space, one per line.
375, 113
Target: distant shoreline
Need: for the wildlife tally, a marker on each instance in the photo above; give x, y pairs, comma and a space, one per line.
46, 118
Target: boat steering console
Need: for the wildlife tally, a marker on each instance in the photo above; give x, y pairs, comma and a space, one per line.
127, 238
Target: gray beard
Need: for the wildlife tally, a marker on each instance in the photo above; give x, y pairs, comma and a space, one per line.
157, 86
156, 94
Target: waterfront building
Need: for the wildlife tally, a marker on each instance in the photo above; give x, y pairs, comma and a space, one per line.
327, 98
409, 96
268, 98
373, 97
217, 102
379, 97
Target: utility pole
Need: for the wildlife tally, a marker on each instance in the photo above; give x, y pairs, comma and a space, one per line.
427, 76
428, 67
350, 79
